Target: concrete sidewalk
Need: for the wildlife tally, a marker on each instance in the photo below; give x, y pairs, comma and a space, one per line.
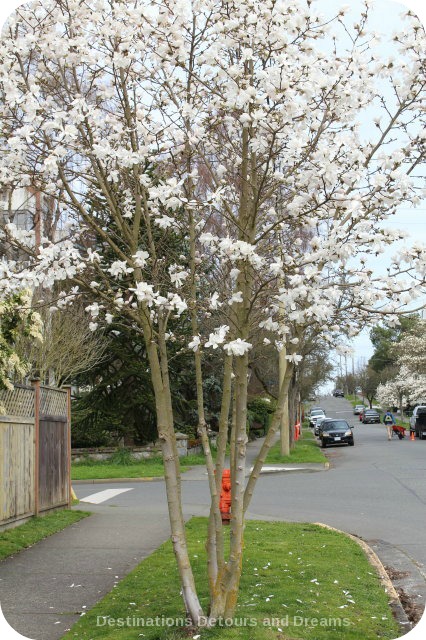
46, 588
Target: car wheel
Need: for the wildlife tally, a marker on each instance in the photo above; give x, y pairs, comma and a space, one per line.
351, 444
323, 445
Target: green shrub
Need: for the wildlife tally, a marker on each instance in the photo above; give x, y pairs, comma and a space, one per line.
122, 456
259, 410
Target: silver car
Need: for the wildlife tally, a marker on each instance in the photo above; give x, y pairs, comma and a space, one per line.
318, 424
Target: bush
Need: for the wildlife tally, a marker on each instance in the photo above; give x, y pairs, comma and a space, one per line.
261, 409
122, 456
258, 411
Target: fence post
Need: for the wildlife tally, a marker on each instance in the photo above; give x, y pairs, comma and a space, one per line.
67, 388
36, 384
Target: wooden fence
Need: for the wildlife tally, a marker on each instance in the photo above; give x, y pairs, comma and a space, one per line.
35, 452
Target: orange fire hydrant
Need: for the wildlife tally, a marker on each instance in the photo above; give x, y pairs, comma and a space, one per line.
225, 496
297, 431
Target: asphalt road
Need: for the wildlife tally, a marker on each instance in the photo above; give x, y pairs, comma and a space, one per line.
376, 489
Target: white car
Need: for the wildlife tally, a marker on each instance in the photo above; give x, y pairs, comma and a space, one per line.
314, 415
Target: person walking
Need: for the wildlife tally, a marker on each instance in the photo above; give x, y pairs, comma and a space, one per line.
389, 421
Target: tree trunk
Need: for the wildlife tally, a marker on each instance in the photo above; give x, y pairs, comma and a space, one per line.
285, 423
167, 437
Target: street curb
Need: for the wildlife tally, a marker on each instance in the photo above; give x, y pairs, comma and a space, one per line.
394, 601
114, 480
290, 466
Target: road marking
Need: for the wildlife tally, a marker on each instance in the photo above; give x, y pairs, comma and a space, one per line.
101, 496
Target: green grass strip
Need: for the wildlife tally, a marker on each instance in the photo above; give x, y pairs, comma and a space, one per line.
306, 450
25, 535
148, 468
299, 581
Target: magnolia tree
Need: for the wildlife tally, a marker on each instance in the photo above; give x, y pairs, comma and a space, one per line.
236, 136
409, 385
406, 388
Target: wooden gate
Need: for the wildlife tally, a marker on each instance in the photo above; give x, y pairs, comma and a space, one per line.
35, 451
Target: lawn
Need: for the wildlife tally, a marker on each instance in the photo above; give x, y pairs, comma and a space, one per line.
306, 450
25, 535
299, 581
148, 468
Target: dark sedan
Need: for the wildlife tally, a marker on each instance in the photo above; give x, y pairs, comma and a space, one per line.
370, 416
336, 432
338, 393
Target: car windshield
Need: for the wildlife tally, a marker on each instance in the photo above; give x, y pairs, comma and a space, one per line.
336, 424
373, 411
317, 412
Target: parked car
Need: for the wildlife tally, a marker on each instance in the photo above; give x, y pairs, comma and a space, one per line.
370, 416
418, 422
338, 393
336, 432
358, 408
318, 424
418, 408
315, 409
314, 415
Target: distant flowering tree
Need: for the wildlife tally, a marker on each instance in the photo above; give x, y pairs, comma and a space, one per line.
237, 129
17, 319
409, 384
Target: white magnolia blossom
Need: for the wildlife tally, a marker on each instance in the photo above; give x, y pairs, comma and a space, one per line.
195, 343
93, 309
217, 337
177, 303
269, 324
119, 268
214, 301
236, 297
237, 347
140, 258
145, 292
294, 357
178, 275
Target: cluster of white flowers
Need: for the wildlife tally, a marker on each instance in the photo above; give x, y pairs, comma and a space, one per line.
318, 210
217, 337
120, 268
237, 347
233, 250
